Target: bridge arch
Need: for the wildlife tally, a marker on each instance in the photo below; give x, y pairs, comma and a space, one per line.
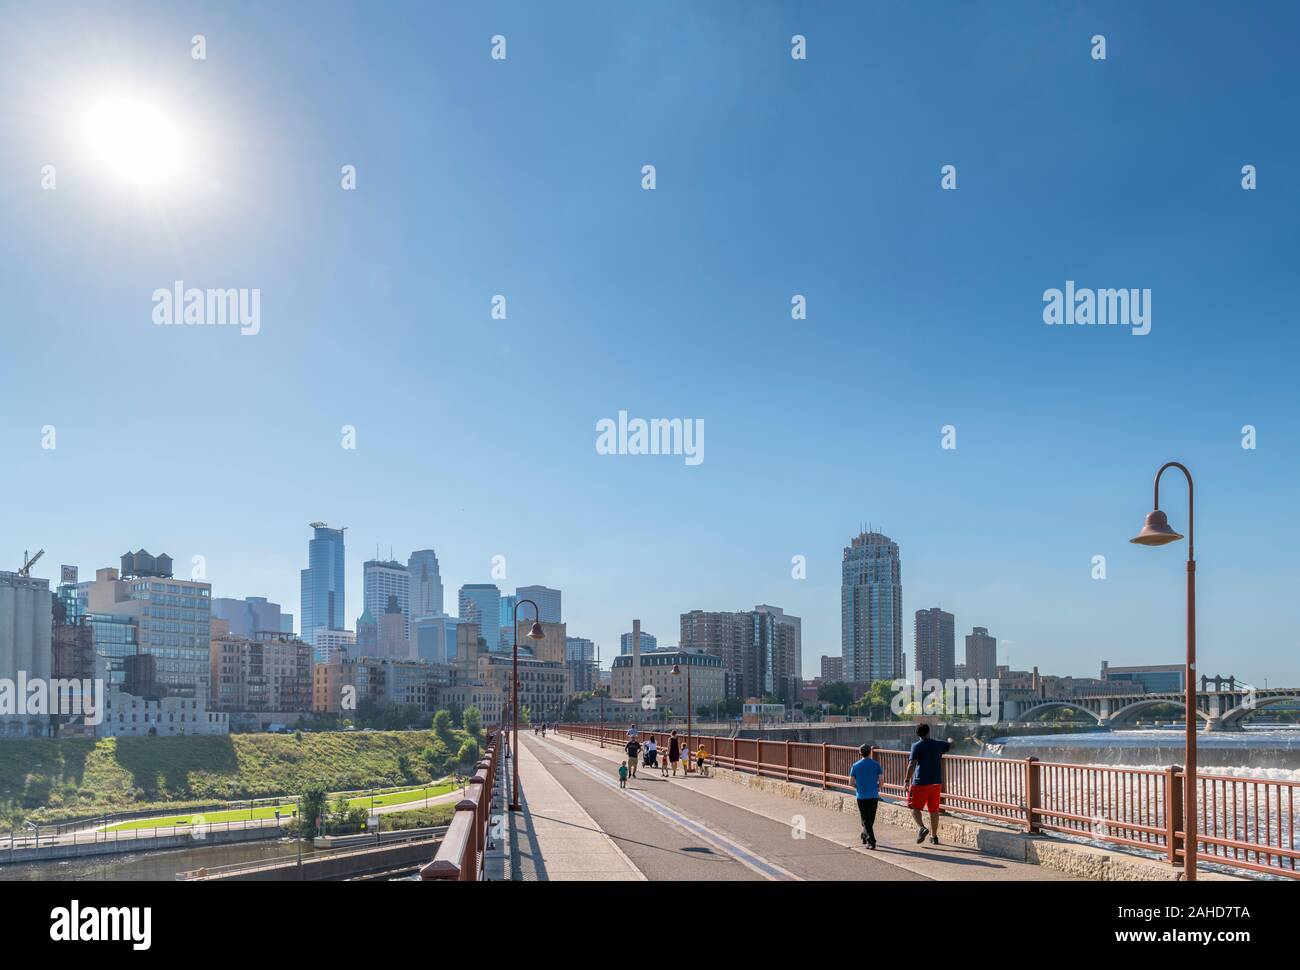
1126, 713
1234, 717
1026, 714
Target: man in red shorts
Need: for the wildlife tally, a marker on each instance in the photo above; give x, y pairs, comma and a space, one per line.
925, 781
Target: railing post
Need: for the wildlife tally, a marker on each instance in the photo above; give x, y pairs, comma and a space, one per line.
787, 761
1173, 811
1033, 792
826, 766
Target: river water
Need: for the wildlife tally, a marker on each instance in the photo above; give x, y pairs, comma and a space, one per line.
1256, 752
144, 866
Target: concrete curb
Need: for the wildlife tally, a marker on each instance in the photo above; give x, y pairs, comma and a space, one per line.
1084, 861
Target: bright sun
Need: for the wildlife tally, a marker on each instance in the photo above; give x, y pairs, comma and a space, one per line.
135, 140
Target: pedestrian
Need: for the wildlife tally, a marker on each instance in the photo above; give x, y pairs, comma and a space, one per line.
866, 772
924, 786
633, 749
651, 753
632, 733
674, 752
622, 775
663, 765
702, 760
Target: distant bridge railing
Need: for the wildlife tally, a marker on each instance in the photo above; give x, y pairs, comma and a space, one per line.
460, 854
1247, 823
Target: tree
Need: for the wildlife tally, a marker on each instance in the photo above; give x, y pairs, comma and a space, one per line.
311, 806
442, 725
468, 755
877, 700
836, 693
472, 719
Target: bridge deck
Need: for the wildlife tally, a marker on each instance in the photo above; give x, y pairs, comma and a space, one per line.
705, 829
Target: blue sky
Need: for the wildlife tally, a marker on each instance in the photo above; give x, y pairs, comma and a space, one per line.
476, 437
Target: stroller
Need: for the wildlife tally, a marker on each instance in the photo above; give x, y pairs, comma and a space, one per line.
650, 757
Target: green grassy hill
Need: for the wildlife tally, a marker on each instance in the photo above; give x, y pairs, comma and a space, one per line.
58, 779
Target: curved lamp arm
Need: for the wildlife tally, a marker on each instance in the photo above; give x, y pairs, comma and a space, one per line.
1191, 515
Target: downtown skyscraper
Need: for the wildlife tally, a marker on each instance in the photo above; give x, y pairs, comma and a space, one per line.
381, 579
871, 609
321, 604
425, 584
935, 654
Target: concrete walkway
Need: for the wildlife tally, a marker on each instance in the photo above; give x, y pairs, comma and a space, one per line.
709, 829
553, 838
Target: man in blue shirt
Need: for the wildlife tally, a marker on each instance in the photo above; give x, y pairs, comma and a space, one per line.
866, 773
924, 786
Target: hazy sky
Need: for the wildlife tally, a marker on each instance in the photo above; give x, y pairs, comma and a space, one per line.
775, 177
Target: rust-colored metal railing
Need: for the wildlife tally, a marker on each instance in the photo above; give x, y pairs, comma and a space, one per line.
1248, 823
460, 854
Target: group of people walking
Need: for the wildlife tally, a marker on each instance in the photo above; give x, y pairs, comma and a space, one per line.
923, 786
649, 755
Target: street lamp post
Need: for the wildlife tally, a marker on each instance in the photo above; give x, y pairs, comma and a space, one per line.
534, 633
1157, 532
677, 670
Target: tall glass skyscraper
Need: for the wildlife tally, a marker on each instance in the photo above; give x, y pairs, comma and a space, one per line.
871, 609
547, 600
481, 603
322, 583
380, 580
426, 584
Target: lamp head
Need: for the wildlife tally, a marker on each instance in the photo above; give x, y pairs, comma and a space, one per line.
677, 669
1156, 531
536, 632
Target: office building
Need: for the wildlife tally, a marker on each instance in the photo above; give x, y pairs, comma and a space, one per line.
433, 638
708, 681
322, 604
272, 674
648, 643
250, 616
332, 645
936, 644
981, 655
760, 649
382, 579
172, 619
425, 597
871, 609
1149, 679
553, 645
547, 600
393, 641
832, 669
507, 623
580, 657
480, 603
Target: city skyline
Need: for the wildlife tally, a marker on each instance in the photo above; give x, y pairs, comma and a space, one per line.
775, 178
811, 654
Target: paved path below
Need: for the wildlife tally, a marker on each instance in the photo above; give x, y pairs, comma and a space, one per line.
692, 828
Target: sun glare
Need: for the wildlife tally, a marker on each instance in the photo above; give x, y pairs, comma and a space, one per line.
134, 139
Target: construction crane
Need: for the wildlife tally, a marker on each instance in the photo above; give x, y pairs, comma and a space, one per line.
26, 569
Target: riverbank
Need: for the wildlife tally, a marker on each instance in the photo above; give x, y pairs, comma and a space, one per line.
63, 779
